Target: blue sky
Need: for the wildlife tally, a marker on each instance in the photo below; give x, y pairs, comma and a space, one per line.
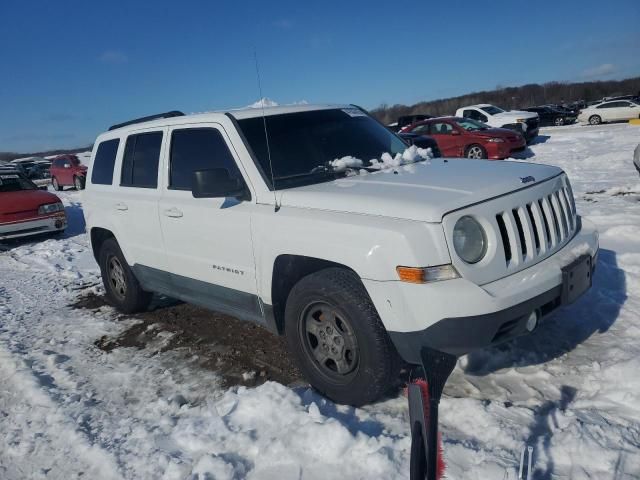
69, 69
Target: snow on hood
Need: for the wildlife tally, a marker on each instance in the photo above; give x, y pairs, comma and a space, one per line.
423, 191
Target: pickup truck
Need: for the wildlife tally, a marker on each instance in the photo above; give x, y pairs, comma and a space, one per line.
527, 123
318, 223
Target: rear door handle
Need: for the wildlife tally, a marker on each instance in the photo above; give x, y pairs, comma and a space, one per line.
173, 212
121, 206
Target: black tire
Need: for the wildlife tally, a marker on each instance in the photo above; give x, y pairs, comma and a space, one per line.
375, 364
129, 297
78, 183
475, 151
56, 185
595, 120
558, 122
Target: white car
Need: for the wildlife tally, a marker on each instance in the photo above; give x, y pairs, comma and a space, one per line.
527, 123
613, 111
320, 224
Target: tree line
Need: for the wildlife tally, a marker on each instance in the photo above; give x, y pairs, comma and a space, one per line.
513, 98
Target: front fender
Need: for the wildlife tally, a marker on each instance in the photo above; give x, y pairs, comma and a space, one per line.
372, 246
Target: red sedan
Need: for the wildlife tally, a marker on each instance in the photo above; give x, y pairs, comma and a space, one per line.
27, 210
464, 137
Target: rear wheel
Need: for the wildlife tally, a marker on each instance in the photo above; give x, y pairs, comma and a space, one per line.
595, 120
56, 185
476, 152
122, 288
559, 121
337, 338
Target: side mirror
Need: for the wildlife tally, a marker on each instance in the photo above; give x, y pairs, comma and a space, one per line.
455, 132
217, 183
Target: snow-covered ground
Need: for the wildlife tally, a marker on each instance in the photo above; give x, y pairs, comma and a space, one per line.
572, 389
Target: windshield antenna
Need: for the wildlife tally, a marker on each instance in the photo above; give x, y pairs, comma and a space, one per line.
266, 134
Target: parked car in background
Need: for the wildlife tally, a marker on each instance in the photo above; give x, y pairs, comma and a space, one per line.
613, 111
553, 115
406, 120
66, 170
422, 141
463, 137
25, 208
526, 123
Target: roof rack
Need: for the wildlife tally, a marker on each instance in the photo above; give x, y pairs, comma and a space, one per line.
172, 113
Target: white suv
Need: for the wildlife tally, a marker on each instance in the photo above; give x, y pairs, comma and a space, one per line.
320, 224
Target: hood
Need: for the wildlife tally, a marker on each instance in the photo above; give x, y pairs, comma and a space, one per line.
24, 201
423, 191
516, 114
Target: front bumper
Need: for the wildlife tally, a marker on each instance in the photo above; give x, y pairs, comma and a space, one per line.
33, 226
458, 316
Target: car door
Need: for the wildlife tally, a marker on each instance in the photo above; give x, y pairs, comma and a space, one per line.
207, 240
607, 111
448, 142
627, 111
134, 207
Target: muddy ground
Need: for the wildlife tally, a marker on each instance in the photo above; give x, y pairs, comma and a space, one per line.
242, 353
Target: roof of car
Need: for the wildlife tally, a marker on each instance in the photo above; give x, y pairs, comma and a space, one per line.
239, 114
479, 105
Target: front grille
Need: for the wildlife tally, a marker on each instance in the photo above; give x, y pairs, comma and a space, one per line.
538, 228
532, 123
24, 230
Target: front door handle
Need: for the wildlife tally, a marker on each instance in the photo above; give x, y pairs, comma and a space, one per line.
173, 212
121, 206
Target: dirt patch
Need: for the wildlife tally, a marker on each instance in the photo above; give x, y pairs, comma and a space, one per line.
243, 353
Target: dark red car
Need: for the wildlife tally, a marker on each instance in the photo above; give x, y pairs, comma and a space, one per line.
26, 209
464, 137
66, 170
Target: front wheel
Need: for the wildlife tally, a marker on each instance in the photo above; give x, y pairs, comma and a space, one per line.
595, 120
56, 185
476, 152
78, 183
558, 122
337, 338
122, 288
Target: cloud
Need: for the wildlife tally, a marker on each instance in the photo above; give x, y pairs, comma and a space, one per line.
283, 23
113, 57
600, 71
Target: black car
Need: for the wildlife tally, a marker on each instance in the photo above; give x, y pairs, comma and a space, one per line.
553, 116
421, 141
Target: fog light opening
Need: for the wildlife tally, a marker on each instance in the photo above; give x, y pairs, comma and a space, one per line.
58, 224
532, 321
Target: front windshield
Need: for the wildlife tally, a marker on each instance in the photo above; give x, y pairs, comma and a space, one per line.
472, 125
14, 183
310, 147
491, 110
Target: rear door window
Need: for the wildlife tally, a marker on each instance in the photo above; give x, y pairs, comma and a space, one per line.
103, 163
195, 149
140, 161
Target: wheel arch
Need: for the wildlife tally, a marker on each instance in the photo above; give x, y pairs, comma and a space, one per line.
289, 269
98, 236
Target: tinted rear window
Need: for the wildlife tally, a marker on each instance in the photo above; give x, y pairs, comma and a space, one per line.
102, 173
140, 161
197, 149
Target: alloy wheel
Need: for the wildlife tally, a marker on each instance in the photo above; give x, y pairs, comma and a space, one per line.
329, 340
475, 153
117, 278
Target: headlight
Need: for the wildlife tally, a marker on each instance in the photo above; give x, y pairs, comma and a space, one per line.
521, 120
495, 140
469, 240
50, 208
